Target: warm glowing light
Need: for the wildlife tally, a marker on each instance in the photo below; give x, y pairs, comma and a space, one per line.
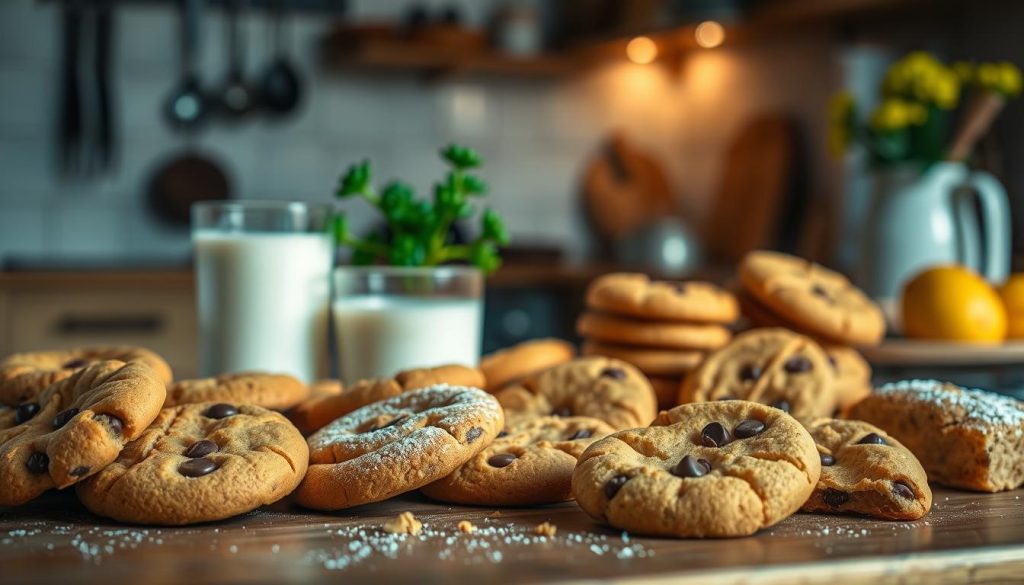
709, 34
642, 50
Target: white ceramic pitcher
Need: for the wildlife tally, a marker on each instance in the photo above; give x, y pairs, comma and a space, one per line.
919, 220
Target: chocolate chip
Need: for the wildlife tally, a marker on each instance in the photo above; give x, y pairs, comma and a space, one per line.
903, 490
502, 434
613, 373
115, 424
817, 290
473, 434
781, 404
581, 434
714, 435
501, 460
75, 364
797, 364
691, 467
750, 372
748, 428
63, 417
221, 410
832, 362
614, 485
835, 498
872, 439
563, 411
827, 460
680, 287
38, 462
25, 412
197, 467
201, 449
79, 471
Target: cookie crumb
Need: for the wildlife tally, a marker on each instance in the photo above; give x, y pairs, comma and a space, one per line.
404, 523
545, 529
495, 514
467, 527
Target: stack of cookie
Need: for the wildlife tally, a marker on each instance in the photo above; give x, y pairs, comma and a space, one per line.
778, 290
665, 329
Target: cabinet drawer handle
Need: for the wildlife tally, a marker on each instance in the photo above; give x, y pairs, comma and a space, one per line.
110, 324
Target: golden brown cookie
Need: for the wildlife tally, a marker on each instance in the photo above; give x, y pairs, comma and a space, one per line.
776, 367
512, 364
713, 469
666, 389
865, 471
530, 462
24, 375
636, 295
616, 330
970, 439
814, 298
852, 375
200, 462
274, 391
398, 445
325, 387
607, 389
653, 362
75, 427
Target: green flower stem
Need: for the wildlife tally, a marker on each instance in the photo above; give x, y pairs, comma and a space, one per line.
371, 247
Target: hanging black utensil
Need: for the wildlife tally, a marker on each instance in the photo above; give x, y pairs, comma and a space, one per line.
182, 180
70, 142
105, 140
236, 98
280, 86
186, 108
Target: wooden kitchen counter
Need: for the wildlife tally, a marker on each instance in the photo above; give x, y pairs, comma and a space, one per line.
967, 537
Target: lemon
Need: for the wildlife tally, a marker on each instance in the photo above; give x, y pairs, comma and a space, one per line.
953, 303
1012, 294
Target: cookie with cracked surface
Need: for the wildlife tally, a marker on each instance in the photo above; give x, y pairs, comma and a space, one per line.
273, 391
636, 295
613, 329
198, 463
603, 388
530, 462
24, 375
653, 362
398, 445
776, 367
714, 469
812, 297
512, 364
865, 471
75, 427
852, 376
964, 438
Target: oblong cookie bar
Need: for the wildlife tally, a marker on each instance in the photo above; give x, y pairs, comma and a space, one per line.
702, 470
865, 471
964, 438
274, 391
530, 462
75, 427
607, 389
636, 295
654, 362
198, 463
522, 360
776, 367
398, 445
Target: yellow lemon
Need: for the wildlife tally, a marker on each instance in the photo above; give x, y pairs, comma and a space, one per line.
1012, 294
953, 303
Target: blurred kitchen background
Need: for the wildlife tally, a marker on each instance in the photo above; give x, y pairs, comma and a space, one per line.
595, 118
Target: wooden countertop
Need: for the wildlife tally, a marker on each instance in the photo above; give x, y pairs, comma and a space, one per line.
967, 537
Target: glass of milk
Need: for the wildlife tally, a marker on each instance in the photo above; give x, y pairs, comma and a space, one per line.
389, 318
263, 286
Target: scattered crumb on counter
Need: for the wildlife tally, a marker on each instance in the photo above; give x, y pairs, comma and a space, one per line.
545, 529
467, 527
404, 523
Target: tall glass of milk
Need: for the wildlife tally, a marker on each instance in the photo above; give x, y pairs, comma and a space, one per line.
263, 285
388, 319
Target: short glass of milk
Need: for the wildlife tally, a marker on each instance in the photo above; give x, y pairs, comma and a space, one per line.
263, 272
390, 318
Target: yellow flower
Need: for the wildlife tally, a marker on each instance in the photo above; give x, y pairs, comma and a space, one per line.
988, 75
892, 114
840, 122
946, 90
1009, 79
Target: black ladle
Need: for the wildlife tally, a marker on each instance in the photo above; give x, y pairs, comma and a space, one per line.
280, 88
236, 97
186, 107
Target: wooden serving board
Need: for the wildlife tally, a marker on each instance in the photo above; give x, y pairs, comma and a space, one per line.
919, 353
967, 537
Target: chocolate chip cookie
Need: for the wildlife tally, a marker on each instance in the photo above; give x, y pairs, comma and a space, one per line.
398, 445
865, 471
200, 462
274, 391
530, 462
24, 375
814, 298
713, 469
970, 439
636, 295
512, 364
652, 362
607, 389
776, 367
612, 329
75, 427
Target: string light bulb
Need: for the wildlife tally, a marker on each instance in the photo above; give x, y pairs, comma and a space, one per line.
709, 34
642, 50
